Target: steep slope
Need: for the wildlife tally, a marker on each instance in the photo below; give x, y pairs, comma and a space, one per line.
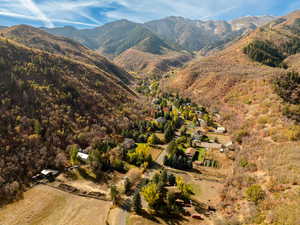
195, 35
114, 38
135, 60
36, 38
242, 90
121, 38
47, 103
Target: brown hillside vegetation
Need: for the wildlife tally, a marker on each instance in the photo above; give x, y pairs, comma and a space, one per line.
47, 103
36, 38
264, 186
139, 61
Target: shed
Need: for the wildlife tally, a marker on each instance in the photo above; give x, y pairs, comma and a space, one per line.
197, 137
83, 156
221, 130
48, 172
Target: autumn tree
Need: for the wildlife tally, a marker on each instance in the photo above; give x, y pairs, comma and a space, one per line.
73, 149
151, 194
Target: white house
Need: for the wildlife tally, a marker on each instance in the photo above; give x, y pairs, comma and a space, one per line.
83, 156
221, 130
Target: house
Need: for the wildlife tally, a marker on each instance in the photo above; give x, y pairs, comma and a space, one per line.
211, 145
197, 137
48, 172
83, 156
221, 130
129, 143
199, 112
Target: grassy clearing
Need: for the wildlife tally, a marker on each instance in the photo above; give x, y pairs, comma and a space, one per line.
43, 205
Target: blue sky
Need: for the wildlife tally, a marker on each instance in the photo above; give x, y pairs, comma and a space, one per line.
92, 13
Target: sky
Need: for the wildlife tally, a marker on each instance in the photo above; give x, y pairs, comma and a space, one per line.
93, 13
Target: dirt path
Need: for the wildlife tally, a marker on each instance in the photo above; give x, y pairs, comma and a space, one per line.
160, 158
117, 216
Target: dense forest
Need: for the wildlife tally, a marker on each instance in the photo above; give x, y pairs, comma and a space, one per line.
48, 103
265, 53
287, 86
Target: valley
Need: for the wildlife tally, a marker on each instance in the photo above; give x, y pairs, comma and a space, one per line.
205, 178
185, 122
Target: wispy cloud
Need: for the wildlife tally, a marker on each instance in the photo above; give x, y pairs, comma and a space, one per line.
96, 12
35, 10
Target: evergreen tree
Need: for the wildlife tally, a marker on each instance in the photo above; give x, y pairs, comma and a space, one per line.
127, 186
137, 203
171, 179
164, 177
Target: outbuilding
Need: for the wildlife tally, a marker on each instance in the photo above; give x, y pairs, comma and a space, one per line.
83, 156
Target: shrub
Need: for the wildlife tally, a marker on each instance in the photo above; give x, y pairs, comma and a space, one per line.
287, 86
153, 140
255, 193
151, 194
244, 163
240, 134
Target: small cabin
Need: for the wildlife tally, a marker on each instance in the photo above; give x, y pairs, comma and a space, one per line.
83, 156
49, 174
221, 130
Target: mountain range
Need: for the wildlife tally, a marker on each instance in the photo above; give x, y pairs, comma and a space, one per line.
161, 44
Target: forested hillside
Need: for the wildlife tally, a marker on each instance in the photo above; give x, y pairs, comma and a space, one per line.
36, 38
47, 103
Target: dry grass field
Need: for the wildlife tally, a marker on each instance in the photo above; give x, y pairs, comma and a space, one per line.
43, 205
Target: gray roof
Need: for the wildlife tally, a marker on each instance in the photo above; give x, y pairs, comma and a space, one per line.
161, 120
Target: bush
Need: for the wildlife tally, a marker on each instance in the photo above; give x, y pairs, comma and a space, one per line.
240, 135
153, 140
244, 163
255, 193
140, 155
